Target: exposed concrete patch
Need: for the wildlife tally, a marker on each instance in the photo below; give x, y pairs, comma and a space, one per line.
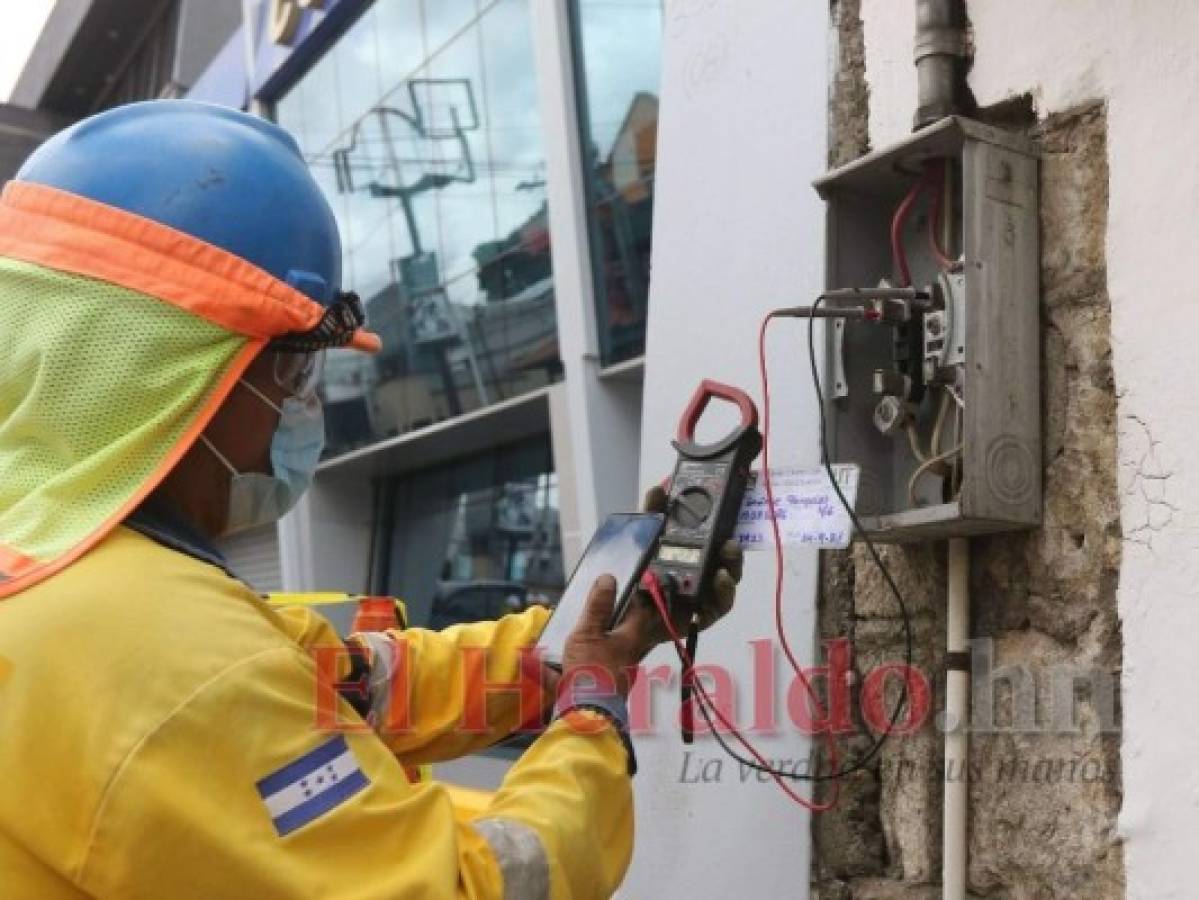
1043, 806
849, 103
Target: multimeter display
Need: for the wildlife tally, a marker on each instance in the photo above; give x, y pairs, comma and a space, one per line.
688, 556
705, 495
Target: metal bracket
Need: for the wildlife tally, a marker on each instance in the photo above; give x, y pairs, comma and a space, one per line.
840, 381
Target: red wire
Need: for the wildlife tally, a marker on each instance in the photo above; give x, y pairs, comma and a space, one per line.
934, 175
902, 212
649, 581
817, 706
774, 523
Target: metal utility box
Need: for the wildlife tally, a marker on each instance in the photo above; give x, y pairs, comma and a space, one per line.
986, 339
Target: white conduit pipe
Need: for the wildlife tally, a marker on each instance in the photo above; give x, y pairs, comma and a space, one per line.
957, 702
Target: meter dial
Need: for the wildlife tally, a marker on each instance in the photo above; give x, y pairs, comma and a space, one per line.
692, 507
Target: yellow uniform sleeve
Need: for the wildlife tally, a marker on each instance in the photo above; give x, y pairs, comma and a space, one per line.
438, 695
237, 794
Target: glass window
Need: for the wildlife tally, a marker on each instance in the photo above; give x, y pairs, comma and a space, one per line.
421, 124
619, 47
445, 19
400, 43
477, 539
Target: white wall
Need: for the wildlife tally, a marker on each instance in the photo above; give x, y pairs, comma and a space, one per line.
738, 231
1141, 58
21, 35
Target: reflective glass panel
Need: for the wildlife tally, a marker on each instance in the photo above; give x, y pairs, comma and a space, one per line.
477, 539
619, 50
421, 125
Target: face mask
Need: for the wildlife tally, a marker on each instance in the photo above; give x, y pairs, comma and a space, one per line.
256, 499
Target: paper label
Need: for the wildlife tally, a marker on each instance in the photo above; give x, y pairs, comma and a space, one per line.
808, 510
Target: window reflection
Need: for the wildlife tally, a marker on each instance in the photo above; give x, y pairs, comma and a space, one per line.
502, 555
421, 124
619, 45
478, 539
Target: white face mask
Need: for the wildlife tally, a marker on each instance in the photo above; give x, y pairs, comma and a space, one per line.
256, 499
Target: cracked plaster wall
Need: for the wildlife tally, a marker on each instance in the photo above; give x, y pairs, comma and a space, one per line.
1109, 581
1112, 86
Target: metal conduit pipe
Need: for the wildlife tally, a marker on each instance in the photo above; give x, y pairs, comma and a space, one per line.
940, 59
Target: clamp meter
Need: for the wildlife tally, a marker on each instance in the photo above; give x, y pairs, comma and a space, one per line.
705, 494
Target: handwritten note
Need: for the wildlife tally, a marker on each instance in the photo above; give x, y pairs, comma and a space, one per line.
808, 510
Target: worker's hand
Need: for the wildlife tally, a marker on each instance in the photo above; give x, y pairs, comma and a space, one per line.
592, 646
716, 603
619, 650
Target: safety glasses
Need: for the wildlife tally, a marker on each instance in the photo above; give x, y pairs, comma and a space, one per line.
299, 373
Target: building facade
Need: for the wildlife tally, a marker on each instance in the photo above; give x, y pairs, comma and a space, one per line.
491, 166
496, 166
95, 54
21, 132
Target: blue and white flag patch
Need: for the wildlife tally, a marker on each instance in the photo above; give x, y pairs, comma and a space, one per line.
309, 787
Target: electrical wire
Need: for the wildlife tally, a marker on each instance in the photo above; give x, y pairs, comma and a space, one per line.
934, 460
649, 581
939, 426
902, 213
704, 701
914, 442
860, 531
779, 568
935, 175
926, 467
955, 470
940, 230
937, 172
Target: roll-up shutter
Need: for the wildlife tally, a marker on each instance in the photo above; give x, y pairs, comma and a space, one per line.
254, 557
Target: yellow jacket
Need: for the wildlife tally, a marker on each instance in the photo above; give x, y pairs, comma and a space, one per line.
158, 738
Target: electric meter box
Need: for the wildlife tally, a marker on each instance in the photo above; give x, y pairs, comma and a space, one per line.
985, 341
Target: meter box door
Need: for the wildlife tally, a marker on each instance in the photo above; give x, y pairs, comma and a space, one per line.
976, 342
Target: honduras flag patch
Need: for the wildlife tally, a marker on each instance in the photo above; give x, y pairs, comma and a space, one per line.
311, 786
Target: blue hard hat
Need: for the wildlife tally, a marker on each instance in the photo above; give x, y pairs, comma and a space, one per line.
223, 176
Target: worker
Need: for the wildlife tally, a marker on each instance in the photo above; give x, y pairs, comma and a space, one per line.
169, 282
